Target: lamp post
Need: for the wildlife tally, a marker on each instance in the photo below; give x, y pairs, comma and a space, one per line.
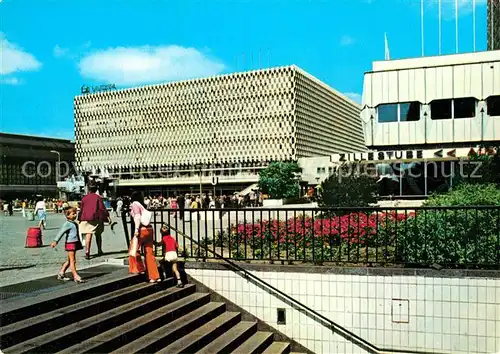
58, 163
297, 178
58, 174
200, 169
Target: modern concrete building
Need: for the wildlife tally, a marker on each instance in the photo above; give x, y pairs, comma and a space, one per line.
493, 24
422, 117
445, 101
216, 130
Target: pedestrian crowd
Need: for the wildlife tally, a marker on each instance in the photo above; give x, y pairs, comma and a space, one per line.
86, 221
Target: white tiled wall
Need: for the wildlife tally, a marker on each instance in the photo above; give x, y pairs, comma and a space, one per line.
450, 315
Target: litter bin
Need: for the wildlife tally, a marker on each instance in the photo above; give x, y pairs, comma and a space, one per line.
30, 215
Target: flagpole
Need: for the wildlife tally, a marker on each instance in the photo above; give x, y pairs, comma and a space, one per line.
422, 24
439, 29
456, 26
387, 55
474, 24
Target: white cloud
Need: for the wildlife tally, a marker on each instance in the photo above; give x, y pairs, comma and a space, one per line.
14, 59
140, 65
10, 81
356, 97
60, 51
346, 40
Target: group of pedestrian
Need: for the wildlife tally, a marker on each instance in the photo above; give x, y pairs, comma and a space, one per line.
90, 221
144, 238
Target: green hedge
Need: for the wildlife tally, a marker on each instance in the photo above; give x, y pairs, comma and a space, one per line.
460, 236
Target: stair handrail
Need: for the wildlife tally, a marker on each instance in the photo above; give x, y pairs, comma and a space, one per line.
333, 326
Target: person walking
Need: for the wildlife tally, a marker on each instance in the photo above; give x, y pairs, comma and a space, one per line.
174, 205
181, 203
143, 236
10, 208
41, 212
119, 206
72, 244
125, 209
93, 214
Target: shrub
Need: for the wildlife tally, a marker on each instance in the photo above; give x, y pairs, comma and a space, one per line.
487, 172
452, 237
345, 188
467, 194
455, 236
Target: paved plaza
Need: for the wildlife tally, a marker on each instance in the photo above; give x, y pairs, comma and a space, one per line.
18, 264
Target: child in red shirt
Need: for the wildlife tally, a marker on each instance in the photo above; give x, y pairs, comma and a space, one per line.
171, 247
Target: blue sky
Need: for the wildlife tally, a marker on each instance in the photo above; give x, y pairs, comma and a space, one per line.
50, 48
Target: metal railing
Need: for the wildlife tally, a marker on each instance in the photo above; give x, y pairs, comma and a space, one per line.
333, 326
452, 237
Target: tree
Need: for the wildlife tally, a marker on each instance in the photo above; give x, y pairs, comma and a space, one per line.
279, 180
348, 188
488, 170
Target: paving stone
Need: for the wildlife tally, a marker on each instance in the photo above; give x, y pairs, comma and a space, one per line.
19, 264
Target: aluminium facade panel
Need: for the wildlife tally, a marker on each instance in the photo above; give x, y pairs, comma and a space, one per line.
449, 79
242, 118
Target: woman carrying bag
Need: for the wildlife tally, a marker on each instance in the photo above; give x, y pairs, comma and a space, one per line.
143, 236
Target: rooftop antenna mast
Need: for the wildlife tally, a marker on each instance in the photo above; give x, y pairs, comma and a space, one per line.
422, 24
474, 24
386, 44
456, 26
439, 26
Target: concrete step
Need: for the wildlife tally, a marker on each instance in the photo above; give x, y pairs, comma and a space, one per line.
119, 313
230, 340
256, 343
32, 327
169, 333
139, 327
199, 338
278, 348
28, 307
92, 326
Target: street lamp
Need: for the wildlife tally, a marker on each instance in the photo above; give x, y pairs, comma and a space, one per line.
58, 163
297, 177
199, 167
58, 172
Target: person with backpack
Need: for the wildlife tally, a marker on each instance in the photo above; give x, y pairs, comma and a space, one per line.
143, 236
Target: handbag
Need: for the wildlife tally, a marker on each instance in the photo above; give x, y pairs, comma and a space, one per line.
146, 217
134, 244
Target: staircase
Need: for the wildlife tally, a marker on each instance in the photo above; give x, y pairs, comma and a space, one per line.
123, 314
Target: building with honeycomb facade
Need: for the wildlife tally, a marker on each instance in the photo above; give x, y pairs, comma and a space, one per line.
223, 128
493, 27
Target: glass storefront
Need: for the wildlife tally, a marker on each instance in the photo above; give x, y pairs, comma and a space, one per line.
419, 179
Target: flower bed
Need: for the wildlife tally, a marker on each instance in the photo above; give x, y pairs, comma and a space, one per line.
348, 238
